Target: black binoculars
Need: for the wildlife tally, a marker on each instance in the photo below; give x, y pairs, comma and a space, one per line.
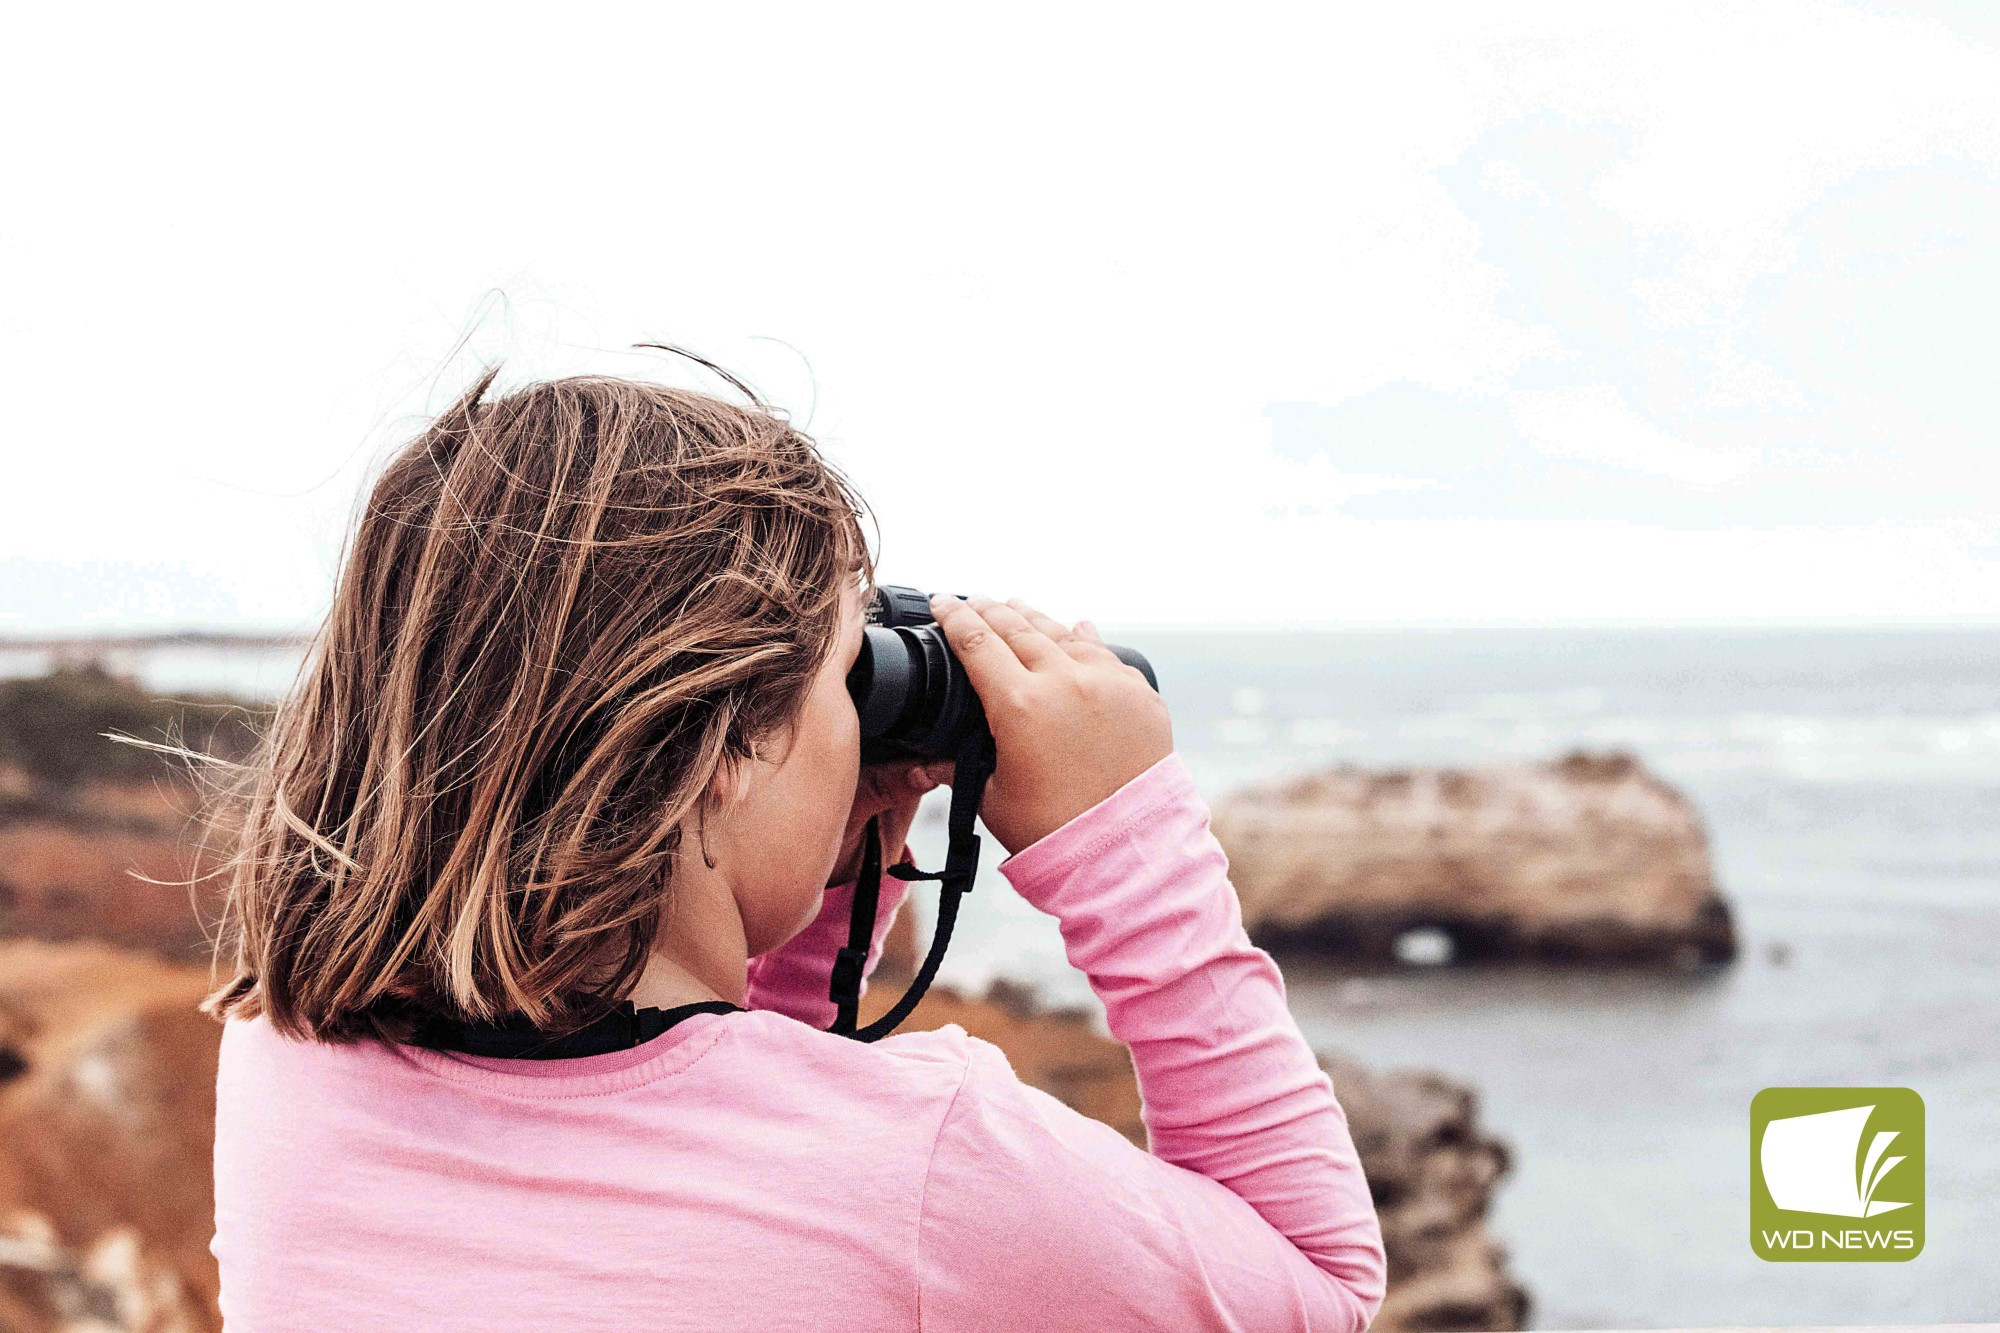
910, 689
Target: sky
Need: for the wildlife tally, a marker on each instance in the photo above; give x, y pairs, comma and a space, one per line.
1289, 316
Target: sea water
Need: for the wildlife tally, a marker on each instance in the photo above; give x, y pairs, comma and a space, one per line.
1851, 786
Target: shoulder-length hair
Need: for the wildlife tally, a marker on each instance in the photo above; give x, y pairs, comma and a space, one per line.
561, 612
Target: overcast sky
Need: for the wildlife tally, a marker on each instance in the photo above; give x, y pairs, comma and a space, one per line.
1486, 314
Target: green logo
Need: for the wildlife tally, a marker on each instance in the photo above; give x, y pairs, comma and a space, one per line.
1837, 1175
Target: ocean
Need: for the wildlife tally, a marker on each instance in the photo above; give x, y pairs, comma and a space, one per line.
1851, 786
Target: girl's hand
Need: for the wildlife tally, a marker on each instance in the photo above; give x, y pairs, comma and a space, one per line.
892, 791
1071, 723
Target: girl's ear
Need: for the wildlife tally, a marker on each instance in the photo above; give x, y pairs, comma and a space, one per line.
730, 784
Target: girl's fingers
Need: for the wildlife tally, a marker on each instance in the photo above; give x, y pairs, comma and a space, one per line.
988, 659
1081, 647
1048, 625
1035, 649
1086, 645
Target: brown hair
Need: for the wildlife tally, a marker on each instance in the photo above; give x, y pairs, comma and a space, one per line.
561, 613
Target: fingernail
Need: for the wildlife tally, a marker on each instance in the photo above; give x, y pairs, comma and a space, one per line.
939, 601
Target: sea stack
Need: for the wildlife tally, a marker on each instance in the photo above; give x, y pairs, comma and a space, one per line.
1583, 859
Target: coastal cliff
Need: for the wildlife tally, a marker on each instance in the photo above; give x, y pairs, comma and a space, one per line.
1585, 859
107, 1106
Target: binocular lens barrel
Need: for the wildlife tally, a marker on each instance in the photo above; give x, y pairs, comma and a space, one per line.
912, 694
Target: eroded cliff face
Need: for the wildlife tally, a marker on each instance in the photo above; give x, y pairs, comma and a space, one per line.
1583, 859
1433, 1169
106, 1120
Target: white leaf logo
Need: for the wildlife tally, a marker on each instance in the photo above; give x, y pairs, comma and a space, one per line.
1810, 1166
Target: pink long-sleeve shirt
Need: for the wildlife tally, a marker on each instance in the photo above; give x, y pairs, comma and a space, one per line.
746, 1170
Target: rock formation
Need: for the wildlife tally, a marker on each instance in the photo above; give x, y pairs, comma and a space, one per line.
106, 1118
1584, 859
1432, 1170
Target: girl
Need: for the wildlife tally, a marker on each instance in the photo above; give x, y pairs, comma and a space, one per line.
573, 754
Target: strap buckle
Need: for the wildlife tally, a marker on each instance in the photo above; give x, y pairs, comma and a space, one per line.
848, 965
961, 864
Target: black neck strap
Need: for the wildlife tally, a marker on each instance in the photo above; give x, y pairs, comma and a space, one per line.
620, 1030
961, 864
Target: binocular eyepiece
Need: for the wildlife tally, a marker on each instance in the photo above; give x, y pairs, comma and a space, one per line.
911, 691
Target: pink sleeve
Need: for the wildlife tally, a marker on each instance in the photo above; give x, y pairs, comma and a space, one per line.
1251, 1210
792, 979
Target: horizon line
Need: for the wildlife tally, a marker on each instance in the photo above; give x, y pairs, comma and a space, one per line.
267, 636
